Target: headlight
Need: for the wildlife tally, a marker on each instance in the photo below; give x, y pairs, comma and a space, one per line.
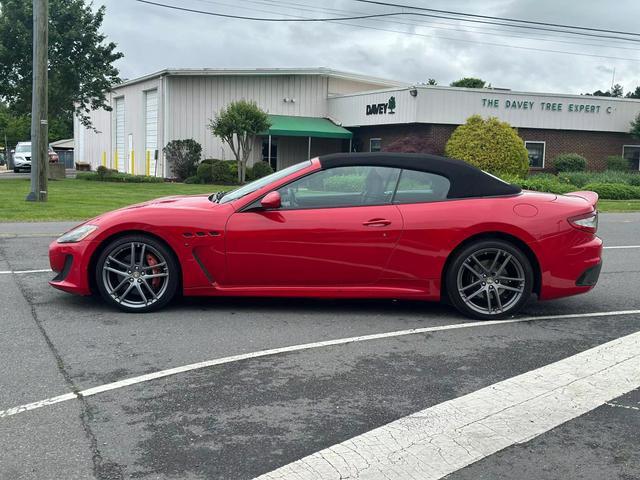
77, 234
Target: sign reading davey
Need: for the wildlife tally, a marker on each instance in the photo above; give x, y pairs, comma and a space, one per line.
510, 104
382, 108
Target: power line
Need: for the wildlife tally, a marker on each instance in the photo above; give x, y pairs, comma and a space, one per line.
361, 17
530, 22
475, 42
418, 23
263, 19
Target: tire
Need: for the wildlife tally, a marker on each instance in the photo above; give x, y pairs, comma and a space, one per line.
148, 283
16, 170
489, 280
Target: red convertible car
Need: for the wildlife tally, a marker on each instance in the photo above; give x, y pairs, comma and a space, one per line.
345, 225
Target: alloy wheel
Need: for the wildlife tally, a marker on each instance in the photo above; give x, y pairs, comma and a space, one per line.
491, 281
135, 275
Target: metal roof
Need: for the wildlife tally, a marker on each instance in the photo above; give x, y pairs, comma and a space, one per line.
321, 71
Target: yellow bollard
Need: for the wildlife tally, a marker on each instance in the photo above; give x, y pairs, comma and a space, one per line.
133, 162
104, 159
148, 170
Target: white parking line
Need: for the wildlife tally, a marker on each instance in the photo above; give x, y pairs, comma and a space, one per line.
620, 247
21, 272
293, 348
442, 439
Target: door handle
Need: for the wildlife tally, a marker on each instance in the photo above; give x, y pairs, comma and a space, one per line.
377, 222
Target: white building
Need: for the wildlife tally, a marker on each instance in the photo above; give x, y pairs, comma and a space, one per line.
318, 111
150, 111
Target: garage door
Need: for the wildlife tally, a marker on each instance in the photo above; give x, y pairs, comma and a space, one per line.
151, 128
121, 152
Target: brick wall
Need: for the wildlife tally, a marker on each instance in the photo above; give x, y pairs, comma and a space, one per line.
594, 146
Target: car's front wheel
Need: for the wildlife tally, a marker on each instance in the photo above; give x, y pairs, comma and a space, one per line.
137, 273
489, 279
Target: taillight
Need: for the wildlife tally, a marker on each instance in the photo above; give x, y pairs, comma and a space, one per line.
587, 222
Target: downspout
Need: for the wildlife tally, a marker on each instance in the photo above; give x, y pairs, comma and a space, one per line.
165, 124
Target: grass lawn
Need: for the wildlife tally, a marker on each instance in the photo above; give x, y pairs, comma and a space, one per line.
619, 205
73, 199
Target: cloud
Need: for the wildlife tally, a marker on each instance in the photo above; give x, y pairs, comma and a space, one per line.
153, 38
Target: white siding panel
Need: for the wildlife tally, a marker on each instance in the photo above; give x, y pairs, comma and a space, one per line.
151, 130
195, 100
120, 154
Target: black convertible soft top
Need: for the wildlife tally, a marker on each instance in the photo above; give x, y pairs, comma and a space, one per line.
466, 180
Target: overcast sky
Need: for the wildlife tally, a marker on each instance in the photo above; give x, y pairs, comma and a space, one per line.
402, 48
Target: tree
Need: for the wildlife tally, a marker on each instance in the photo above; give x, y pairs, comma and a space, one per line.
431, 81
635, 127
238, 125
616, 90
469, 82
183, 156
14, 128
81, 67
634, 94
489, 144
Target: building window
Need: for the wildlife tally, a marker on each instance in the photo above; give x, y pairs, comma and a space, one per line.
375, 144
632, 153
536, 154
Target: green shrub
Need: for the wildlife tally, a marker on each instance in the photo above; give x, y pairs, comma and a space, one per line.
618, 162
546, 183
183, 156
570, 162
489, 144
580, 179
194, 179
260, 169
204, 172
634, 179
614, 191
114, 176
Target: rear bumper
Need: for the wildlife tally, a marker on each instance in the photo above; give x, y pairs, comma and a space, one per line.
590, 276
572, 268
70, 262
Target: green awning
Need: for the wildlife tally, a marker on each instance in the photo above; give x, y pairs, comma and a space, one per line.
290, 126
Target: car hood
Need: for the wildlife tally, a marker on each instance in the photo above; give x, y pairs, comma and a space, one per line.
176, 202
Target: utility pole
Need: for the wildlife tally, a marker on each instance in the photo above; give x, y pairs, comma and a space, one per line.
39, 103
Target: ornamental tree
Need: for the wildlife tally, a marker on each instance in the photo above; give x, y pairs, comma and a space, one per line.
238, 125
490, 145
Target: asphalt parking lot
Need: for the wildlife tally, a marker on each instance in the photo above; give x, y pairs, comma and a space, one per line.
270, 413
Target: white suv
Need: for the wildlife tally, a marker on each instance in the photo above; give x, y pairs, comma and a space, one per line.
22, 156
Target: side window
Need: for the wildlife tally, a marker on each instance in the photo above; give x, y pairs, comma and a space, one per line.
417, 187
341, 187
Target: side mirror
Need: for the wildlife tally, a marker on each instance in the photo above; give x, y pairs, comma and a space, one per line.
271, 200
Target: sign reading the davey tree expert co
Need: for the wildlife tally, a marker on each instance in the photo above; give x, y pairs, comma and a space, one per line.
510, 104
382, 108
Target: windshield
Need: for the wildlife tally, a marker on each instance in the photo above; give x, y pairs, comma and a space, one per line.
24, 148
261, 182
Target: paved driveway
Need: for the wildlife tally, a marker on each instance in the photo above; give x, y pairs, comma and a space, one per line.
251, 410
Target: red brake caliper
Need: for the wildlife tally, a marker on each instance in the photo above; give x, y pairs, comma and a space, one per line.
151, 261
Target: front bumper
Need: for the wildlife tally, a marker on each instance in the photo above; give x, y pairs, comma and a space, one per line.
70, 262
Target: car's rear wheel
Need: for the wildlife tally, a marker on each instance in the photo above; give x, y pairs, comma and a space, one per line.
137, 273
489, 279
